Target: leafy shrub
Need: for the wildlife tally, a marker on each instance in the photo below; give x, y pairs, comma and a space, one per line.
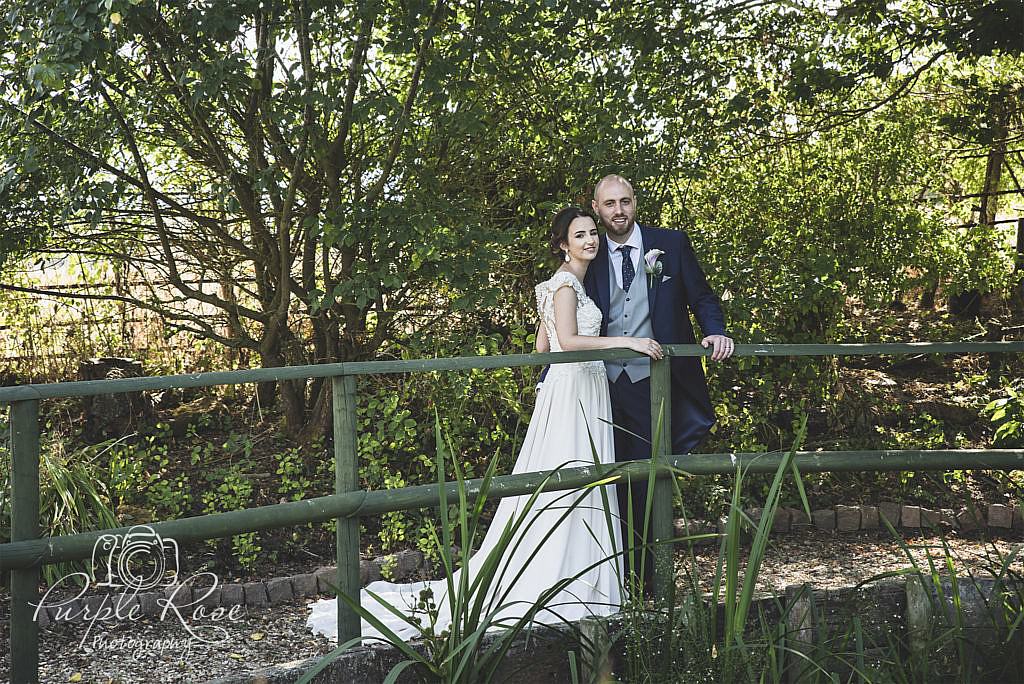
73, 494
480, 411
231, 490
1007, 415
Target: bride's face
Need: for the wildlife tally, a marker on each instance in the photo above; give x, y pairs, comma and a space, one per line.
582, 239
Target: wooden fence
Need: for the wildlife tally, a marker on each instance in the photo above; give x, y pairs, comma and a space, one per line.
27, 552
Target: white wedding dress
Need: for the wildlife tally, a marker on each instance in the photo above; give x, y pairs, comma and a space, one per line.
572, 409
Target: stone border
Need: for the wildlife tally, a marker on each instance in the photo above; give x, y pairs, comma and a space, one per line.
535, 657
403, 565
999, 518
275, 591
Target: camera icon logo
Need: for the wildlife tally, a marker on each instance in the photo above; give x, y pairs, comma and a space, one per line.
140, 559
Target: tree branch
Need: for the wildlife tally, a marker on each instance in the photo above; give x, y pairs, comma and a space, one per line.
165, 243
410, 100
122, 175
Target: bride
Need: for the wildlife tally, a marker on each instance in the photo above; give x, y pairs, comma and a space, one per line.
562, 538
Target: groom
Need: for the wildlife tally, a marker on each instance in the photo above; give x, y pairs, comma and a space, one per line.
637, 304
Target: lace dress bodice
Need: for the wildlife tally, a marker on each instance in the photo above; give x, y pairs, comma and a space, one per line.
588, 318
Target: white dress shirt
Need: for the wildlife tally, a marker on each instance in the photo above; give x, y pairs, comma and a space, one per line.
615, 253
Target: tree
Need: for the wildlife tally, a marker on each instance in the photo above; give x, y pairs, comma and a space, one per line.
314, 179
288, 153
317, 176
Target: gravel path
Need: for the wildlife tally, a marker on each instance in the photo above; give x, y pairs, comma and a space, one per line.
258, 638
829, 561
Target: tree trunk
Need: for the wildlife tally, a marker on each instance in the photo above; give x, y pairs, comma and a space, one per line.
999, 111
1019, 266
290, 392
318, 422
967, 304
328, 349
1018, 290
931, 286
266, 393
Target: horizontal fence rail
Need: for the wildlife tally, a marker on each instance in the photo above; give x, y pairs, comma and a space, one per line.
84, 388
26, 553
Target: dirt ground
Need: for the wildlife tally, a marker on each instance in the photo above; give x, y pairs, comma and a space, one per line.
166, 652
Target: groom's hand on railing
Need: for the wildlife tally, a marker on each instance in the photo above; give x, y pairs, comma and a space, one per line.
721, 346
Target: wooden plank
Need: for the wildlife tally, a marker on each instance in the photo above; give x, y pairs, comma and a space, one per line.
346, 481
24, 526
153, 383
216, 525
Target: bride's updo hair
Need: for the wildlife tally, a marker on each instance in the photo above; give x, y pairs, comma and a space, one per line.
560, 228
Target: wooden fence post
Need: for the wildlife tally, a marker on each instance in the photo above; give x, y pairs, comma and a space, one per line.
799, 635
346, 479
661, 507
24, 525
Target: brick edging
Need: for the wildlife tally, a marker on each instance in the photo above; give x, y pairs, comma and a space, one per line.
274, 591
998, 518
404, 564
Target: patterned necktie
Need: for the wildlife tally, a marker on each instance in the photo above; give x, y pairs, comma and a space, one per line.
627, 267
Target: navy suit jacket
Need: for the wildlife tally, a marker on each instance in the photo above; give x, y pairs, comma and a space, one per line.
680, 290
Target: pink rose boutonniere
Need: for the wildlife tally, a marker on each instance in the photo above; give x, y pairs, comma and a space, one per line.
652, 266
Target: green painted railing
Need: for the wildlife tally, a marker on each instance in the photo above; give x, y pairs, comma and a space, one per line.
27, 552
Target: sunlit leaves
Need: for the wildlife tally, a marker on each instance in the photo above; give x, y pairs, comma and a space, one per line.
406, 202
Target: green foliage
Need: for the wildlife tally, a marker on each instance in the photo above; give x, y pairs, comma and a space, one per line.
413, 202
686, 639
797, 236
387, 567
969, 29
925, 432
481, 412
232, 490
141, 474
1007, 415
456, 653
73, 495
360, 151
294, 483
808, 173
173, 496
975, 258
795, 231
948, 639
161, 475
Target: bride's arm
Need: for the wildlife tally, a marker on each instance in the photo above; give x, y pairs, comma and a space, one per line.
570, 339
542, 345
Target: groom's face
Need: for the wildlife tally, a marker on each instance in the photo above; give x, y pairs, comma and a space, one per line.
613, 203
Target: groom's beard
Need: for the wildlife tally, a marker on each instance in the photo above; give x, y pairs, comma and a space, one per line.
615, 229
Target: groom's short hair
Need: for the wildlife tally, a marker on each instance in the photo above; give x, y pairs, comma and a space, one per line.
610, 178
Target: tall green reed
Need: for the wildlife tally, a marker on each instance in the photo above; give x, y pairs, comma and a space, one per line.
698, 636
963, 625
479, 603
958, 625
684, 638
73, 496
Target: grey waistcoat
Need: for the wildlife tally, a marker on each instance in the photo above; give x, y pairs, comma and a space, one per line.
630, 318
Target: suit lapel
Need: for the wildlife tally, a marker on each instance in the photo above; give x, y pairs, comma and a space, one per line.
649, 243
